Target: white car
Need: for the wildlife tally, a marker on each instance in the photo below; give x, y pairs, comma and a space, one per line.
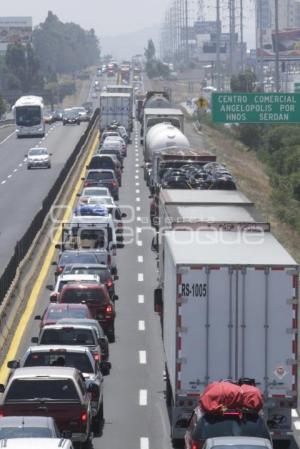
38, 158
237, 443
95, 191
36, 443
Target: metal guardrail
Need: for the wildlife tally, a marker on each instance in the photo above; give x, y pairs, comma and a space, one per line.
23, 245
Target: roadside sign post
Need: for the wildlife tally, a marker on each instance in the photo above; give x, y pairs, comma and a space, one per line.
256, 107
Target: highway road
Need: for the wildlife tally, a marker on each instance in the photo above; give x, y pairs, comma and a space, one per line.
134, 404
22, 191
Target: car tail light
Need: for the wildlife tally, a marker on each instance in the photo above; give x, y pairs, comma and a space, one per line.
195, 445
84, 417
1, 412
97, 356
87, 184
60, 270
120, 225
114, 184
109, 283
109, 309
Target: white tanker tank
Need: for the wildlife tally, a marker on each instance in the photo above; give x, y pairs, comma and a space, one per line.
162, 136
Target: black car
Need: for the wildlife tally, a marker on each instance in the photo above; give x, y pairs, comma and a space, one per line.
209, 425
70, 118
176, 182
83, 257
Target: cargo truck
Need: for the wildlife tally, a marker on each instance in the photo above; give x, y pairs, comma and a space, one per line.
115, 107
230, 304
153, 116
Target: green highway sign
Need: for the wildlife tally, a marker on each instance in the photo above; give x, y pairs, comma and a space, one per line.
296, 87
255, 107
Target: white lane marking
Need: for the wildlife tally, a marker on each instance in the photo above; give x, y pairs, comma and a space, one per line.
137, 165
137, 170
140, 259
15, 170
40, 142
139, 243
140, 277
44, 137
20, 165
138, 208
143, 357
141, 325
9, 176
141, 299
137, 176
137, 184
138, 230
138, 199
143, 397
6, 138
3, 182
138, 218
25, 159
137, 191
144, 443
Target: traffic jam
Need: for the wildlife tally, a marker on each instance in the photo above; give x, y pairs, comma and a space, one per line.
230, 358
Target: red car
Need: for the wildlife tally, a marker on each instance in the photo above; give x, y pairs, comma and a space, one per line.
55, 312
98, 301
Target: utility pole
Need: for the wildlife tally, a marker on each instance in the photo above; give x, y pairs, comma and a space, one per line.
277, 73
186, 31
218, 39
242, 33
260, 30
232, 65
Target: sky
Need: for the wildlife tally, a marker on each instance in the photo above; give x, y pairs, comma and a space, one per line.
114, 17
107, 17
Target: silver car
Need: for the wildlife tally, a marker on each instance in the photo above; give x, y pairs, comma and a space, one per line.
28, 427
38, 158
237, 443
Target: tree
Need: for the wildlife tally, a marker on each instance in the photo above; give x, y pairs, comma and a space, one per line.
243, 82
150, 51
2, 106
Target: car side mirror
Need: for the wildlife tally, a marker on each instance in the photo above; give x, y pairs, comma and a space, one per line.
124, 215
53, 297
78, 194
26, 155
51, 154
105, 368
158, 302
38, 317
116, 297
13, 364
2, 388
50, 287
34, 340
82, 179
116, 277
54, 263
93, 388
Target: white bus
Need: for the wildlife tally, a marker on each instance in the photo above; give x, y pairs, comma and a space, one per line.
28, 114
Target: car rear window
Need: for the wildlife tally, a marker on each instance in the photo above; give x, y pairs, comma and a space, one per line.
25, 432
77, 258
58, 358
97, 176
68, 336
73, 295
221, 426
59, 314
29, 389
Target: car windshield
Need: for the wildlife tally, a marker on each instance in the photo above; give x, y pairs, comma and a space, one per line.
101, 162
103, 273
24, 432
68, 336
37, 152
237, 446
77, 295
30, 389
80, 257
63, 312
100, 175
60, 358
28, 115
221, 426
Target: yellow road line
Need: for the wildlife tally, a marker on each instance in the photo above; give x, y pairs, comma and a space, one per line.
32, 302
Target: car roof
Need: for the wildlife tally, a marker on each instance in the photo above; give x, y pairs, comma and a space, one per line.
64, 326
235, 440
44, 371
54, 348
88, 265
35, 443
88, 322
100, 170
77, 277
84, 286
55, 305
26, 421
38, 148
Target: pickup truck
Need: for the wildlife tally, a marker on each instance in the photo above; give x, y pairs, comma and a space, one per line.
69, 356
58, 392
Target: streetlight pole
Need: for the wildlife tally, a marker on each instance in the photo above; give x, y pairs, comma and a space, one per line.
242, 34
218, 45
277, 73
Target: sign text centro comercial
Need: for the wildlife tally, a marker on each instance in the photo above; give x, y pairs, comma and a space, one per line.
256, 107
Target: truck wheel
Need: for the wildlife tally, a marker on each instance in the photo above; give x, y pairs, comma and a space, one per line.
111, 335
168, 392
97, 420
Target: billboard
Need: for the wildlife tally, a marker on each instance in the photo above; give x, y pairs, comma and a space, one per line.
206, 27
15, 30
288, 42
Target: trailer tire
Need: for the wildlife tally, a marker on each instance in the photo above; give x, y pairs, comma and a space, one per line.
169, 399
